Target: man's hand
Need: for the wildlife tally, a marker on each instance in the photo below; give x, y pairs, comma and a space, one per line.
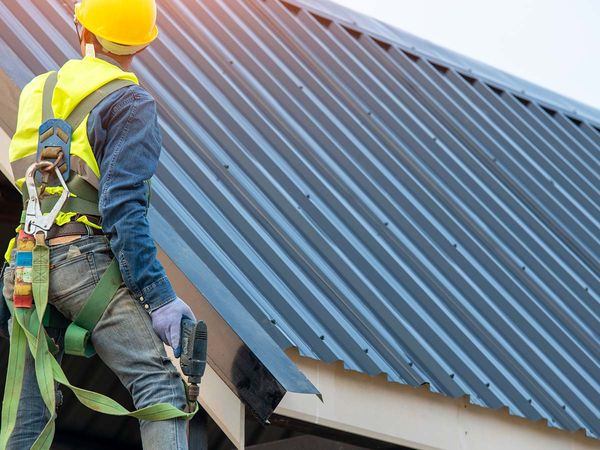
166, 322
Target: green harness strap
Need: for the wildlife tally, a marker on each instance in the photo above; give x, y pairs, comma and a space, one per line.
27, 331
85, 106
84, 202
77, 336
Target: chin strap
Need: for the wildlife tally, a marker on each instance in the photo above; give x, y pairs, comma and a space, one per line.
90, 50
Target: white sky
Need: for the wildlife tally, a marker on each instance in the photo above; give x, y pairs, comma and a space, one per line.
552, 43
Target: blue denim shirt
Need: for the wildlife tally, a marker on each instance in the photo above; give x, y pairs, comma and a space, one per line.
124, 135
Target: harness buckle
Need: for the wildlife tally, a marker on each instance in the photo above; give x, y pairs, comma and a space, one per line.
35, 220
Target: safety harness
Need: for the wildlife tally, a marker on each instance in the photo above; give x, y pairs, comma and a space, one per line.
29, 321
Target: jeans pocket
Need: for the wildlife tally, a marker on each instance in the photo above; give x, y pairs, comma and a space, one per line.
102, 259
71, 282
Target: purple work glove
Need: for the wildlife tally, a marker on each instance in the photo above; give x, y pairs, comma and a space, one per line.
166, 322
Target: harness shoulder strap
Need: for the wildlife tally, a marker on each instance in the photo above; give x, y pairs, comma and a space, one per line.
84, 202
86, 105
48, 93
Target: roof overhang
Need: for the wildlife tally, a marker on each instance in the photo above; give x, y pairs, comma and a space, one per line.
240, 352
415, 417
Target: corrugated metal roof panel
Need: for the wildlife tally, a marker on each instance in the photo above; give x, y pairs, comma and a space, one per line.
448, 58
369, 205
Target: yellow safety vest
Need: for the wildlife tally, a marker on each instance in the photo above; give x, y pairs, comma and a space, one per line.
76, 80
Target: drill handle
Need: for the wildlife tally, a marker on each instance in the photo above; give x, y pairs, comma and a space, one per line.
194, 344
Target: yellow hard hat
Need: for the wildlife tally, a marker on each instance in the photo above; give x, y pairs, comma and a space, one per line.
125, 22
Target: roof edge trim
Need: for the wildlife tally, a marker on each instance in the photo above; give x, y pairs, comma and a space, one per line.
230, 309
440, 55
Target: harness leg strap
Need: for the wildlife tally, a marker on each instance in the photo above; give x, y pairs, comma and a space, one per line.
78, 334
29, 331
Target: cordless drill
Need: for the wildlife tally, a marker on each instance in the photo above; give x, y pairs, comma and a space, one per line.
194, 339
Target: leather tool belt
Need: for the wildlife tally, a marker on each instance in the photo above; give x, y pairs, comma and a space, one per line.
70, 229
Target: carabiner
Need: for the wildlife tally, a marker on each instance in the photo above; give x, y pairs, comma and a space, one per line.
35, 220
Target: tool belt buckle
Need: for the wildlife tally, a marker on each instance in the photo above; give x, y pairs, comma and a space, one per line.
35, 220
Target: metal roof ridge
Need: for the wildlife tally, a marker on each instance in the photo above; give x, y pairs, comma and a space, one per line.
441, 55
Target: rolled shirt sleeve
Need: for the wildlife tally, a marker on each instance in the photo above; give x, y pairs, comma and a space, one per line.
124, 134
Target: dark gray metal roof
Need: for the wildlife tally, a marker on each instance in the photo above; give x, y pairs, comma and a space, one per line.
368, 202
448, 58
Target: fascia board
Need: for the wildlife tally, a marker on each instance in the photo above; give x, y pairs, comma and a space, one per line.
415, 417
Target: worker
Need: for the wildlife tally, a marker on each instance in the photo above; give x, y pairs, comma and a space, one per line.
115, 151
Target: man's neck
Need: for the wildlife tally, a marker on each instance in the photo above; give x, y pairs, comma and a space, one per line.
121, 62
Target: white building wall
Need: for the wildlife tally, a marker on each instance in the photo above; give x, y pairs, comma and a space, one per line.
4, 162
417, 418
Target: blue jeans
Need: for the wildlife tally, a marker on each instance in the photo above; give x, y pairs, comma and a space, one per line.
123, 338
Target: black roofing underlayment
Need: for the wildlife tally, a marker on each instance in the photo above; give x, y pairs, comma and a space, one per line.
369, 197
